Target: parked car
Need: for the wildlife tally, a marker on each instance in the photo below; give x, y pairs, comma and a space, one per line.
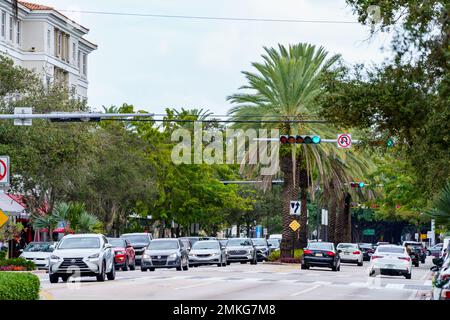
435, 250
38, 252
350, 252
367, 250
124, 254
321, 254
441, 279
274, 244
89, 255
418, 248
165, 253
241, 250
262, 248
139, 241
391, 260
207, 252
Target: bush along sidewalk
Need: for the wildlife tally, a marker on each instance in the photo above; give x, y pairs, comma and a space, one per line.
19, 286
275, 257
17, 264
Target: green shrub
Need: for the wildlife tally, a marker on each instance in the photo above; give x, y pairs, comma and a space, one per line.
19, 286
19, 262
3, 254
275, 255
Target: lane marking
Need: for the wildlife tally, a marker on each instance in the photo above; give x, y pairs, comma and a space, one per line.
195, 285
398, 286
306, 290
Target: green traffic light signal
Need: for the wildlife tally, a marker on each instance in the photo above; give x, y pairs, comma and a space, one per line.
390, 142
362, 184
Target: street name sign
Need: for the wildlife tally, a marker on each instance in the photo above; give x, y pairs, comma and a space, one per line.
369, 232
295, 208
23, 122
3, 218
294, 225
344, 140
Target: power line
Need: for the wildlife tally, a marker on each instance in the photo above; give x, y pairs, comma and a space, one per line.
151, 15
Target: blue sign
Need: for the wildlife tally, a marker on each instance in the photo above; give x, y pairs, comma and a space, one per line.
259, 231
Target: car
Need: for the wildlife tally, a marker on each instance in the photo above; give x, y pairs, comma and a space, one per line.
435, 250
274, 244
445, 247
165, 253
418, 248
262, 248
38, 252
139, 241
241, 250
124, 254
207, 252
351, 252
321, 254
367, 249
84, 255
441, 279
391, 260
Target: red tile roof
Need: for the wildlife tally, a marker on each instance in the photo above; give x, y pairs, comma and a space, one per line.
34, 6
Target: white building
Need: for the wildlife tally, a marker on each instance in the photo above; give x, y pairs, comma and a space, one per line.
45, 41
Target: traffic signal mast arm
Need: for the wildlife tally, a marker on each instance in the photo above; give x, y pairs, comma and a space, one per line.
80, 115
321, 140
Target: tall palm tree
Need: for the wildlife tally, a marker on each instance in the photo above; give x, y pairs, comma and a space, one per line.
284, 88
441, 207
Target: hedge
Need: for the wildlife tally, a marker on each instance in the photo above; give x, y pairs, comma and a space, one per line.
19, 286
18, 262
275, 256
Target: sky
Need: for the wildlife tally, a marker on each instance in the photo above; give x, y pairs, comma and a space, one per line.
155, 63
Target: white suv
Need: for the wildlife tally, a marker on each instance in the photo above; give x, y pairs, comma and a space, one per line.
88, 255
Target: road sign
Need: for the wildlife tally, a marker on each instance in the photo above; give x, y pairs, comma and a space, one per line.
23, 122
325, 217
344, 140
294, 225
369, 232
423, 236
3, 218
4, 170
430, 234
295, 208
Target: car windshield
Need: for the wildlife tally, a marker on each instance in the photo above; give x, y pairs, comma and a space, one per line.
259, 242
163, 245
391, 249
39, 247
320, 246
117, 242
80, 243
274, 242
239, 242
137, 238
206, 245
347, 246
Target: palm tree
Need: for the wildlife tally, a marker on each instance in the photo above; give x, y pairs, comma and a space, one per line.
441, 207
284, 88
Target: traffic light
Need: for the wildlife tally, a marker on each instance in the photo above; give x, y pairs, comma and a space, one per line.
390, 142
357, 184
300, 139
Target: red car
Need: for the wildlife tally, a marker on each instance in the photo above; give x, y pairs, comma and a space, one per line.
124, 255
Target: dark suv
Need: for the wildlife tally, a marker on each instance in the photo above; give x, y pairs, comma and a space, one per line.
165, 253
418, 249
139, 241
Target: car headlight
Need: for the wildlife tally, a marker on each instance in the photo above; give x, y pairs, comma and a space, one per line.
94, 256
173, 256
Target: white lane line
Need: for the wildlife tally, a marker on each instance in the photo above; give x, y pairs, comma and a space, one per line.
306, 290
358, 284
395, 286
195, 285
325, 283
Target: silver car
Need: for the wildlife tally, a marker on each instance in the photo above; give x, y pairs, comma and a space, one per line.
241, 250
38, 252
207, 252
88, 255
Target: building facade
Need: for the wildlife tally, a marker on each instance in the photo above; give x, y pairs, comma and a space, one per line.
42, 39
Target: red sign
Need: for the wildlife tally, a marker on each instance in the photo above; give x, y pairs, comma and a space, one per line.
3, 169
344, 140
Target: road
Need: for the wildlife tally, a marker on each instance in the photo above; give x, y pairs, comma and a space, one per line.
239, 282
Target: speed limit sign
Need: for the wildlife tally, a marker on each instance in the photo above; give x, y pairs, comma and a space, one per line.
344, 140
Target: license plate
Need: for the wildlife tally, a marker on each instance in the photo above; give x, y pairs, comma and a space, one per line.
318, 254
390, 266
346, 253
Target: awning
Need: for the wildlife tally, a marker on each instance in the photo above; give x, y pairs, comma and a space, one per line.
11, 207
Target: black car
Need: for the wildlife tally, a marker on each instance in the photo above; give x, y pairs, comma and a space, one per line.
165, 253
414, 253
139, 241
367, 249
321, 254
418, 248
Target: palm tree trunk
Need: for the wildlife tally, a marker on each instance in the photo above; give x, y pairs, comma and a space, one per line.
340, 221
303, 181
332, 214
290, 192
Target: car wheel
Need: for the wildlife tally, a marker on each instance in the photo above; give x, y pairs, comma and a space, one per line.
408, 276
243, 262
143, 269
101, 275
112, 274
64, 278
360, 264
228, 263
53, 278
416, 264
126, 266
179, 268
305, 266
152, 269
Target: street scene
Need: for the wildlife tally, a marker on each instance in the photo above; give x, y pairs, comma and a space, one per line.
237, 150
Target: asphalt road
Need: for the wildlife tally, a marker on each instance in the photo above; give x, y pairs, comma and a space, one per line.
239, 282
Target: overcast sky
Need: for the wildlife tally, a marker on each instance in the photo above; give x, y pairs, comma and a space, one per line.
154, 63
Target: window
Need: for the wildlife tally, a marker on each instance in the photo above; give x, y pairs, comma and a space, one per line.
58, 43
74, 53
3, 24
19, 32
85, 64
48, 39
79, 59
11, 28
